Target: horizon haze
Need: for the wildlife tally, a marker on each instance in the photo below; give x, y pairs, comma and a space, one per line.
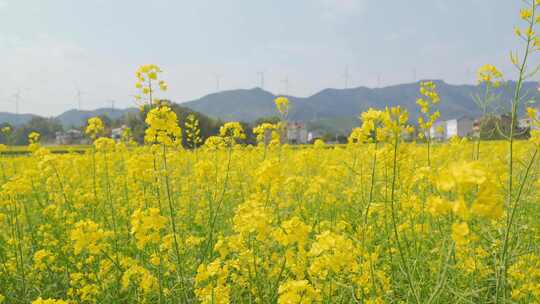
52, 48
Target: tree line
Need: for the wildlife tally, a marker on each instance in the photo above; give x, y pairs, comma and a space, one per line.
135, 121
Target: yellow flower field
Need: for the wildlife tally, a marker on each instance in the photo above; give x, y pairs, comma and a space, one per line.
366, 223
382, 219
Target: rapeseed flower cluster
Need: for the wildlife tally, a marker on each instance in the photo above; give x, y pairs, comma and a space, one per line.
429, 99
489, 74
148, 84
163, 127
95, 127
282, 105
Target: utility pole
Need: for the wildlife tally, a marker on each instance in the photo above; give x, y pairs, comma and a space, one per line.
112, 104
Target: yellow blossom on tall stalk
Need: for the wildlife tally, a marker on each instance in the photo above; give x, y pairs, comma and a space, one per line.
231, 132
267, 133
104, 144
193, 132
33, 137
515, 185
148, 83
371, 128
33, 141
489, 75
163, 127
490, 78
428, 116
394, 124
94, 127
429, 98
214, 143
87, 236
147, 226
282, 105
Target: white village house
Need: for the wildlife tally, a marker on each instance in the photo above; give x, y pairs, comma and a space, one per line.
438, 131
444, 130
116, 133
297, 133
70, 137
294, 133
526, 122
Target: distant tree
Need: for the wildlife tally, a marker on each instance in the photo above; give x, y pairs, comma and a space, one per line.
107, 121
251, 138
331, 137
269, 119
6, 133
46, 127
208, 126
136, 122
496, 127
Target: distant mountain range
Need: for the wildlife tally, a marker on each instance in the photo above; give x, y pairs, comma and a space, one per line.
71, 118
248, 105
336, 109
78, 118
15, 119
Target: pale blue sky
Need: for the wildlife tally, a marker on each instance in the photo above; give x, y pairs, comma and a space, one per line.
48, 48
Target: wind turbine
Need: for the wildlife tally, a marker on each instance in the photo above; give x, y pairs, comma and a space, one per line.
78, 95
468, 74
261, 79
17, 100
218, 80
112, 101
17, 97
346, 76
285, 83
